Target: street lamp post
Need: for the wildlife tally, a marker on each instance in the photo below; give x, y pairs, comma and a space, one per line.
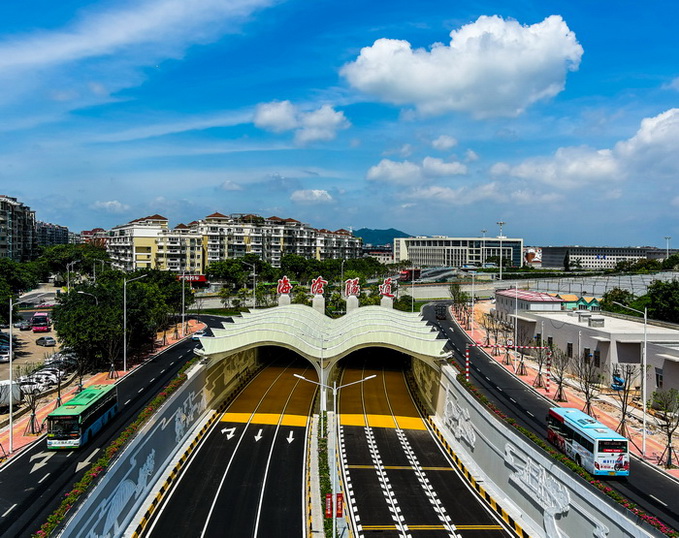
473, 273
183, 305
483, 248
342, 277
500, 223
643, 374
335, 389
96, 300
125, 283
69, 266
254, 283
667, 246
11, 386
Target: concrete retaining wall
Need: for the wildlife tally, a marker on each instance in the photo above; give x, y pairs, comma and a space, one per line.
124, 488
538, 495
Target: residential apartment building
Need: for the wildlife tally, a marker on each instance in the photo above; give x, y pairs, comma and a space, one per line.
150, 242
442, 251
18, 239
49, 235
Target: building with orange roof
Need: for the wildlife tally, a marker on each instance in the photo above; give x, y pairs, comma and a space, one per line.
149, 242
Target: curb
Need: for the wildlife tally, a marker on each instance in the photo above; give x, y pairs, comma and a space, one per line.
482, 492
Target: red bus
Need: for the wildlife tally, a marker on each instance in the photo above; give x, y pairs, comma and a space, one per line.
40, 322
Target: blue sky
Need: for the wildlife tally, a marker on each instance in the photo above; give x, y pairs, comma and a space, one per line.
559, 118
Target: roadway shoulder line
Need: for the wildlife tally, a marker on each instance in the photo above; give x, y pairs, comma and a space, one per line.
483, 493
174, 473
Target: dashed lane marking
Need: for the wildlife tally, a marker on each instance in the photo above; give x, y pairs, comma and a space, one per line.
9, 510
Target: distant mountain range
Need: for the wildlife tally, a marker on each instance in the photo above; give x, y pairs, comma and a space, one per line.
379, 237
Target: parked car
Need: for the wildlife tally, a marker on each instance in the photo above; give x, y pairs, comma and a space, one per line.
4, 355
24, 326
30, 387
46, 341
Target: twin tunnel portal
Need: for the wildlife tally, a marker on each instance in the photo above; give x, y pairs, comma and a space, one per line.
250, 473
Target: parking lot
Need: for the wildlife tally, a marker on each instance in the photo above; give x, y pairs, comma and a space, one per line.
27, 354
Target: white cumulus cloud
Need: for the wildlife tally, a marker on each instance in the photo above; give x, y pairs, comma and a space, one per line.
320, 124
277, 116
111, 206
444, 142
410, 173
311, 196
650, 155
492, 67
433, 167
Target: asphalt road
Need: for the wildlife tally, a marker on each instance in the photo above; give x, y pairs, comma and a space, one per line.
246, 477
403, 483
653, 491
34, 481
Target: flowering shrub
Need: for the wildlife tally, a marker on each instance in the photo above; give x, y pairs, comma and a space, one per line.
99, 466
601, 486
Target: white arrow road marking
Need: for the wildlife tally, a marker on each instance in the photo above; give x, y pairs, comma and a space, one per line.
290, 438
230, 432
43, 457
259, 435
82, 464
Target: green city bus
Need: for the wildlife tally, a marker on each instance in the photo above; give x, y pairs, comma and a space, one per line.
74, 423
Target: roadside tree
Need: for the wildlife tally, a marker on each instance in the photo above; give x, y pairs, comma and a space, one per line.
666, 402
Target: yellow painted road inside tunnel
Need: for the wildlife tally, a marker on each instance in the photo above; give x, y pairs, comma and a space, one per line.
277, 397
382, 402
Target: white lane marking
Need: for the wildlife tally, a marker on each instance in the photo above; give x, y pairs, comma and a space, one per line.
162, 371
658, 500
128, 401
152, 380
140, 390
43, 478
498, 388
9, 510
512, 400
531, 414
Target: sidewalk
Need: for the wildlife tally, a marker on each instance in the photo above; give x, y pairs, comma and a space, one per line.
607, 406
21, 436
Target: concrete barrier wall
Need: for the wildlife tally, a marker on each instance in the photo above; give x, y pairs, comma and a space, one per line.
539, 495
109, 508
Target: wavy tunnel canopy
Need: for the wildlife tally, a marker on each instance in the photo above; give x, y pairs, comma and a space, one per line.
315, 336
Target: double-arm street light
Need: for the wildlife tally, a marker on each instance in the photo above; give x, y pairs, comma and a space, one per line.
643, 373
69, 267
335, 389
125, 283
501, 223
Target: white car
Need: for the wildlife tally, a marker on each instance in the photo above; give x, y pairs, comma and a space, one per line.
198, 334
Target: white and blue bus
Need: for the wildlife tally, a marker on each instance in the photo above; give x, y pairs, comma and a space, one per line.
74, 423
593, 446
